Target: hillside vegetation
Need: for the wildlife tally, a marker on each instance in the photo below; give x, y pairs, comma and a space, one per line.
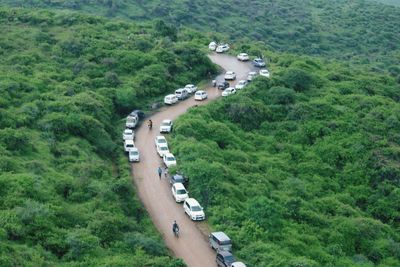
302, 169
358, 31
389, 2
66, 80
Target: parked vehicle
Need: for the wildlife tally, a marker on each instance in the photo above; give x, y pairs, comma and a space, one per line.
179, 192
222, 48
241, 84
220, 241
139, 113
181, 94
191, 88
212, 46
170, 99
178, 178
133, 155
162, 149
230, 75
264, 73
238, 264
243, 57
166, 126
259, 62
200, 95
225, 259
251, 76
160, 140
132, 121
229, 91
169, 160
223, 85
193, 209
128, 145
128, 134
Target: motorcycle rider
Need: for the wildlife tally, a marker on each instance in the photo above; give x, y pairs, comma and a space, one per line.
175, 228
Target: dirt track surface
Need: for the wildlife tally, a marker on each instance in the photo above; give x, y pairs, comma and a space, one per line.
192, 245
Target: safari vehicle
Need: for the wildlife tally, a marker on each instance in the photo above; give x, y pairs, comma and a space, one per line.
220, 241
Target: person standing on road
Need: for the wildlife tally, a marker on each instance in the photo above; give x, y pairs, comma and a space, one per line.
159, 170
166, 172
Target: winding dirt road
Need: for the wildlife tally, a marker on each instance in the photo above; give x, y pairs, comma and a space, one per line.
192, 245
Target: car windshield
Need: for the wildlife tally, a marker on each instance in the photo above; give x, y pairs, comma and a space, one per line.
163, 148
196, 208
181, 191
134, 153
164, 123
170, 159
162, 141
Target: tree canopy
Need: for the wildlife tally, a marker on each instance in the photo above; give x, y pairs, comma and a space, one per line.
300, 169
66, 82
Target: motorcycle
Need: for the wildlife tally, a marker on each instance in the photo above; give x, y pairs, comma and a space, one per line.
176, 232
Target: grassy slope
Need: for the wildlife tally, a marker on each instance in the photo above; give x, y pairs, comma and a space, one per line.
389, 2
65, 82
301, 170
359, 31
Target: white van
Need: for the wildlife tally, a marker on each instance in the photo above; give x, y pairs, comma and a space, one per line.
129, 145
170, 99
181, 93
131, 121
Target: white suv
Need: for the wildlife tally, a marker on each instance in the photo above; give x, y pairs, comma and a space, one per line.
134, 155
162, 149
230, 75
193, 209
169, 160
166, 126
243, 57
179, 192
129, 145
191, 88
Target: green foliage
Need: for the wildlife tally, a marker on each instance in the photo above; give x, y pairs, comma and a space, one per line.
300, 169
361, 32
66, 80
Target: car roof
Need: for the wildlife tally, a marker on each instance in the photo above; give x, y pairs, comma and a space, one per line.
169, 155
189, 85
224, 253
166, 120
128, 131
134, 150
192, 202
160, 137
170, 95
180, 90
221, 236
162, 144
179, 186
129, 141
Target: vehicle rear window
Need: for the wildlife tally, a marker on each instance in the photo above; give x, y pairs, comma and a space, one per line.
181, 191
